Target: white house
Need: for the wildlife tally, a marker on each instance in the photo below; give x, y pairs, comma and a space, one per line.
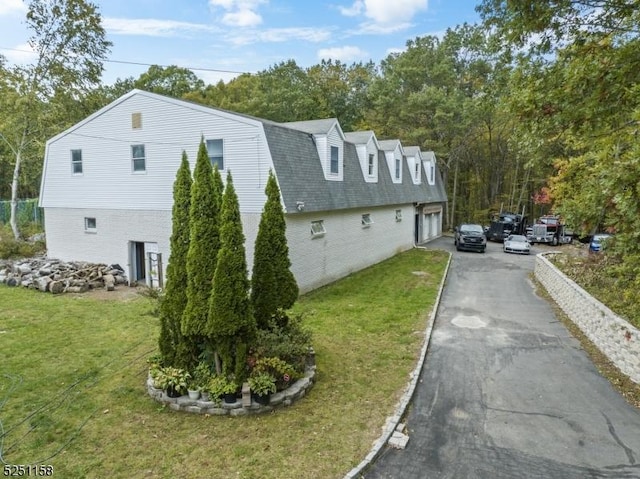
107, 187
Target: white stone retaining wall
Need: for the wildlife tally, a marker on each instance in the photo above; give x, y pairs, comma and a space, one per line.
615, 337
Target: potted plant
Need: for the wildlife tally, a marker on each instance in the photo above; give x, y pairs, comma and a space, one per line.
172, 380
201, 376
193, 389
225, 387
262, 385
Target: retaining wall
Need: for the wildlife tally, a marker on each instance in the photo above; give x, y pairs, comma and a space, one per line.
614, 336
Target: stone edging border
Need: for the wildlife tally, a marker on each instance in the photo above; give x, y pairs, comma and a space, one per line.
392, 423
243, 406
613, 336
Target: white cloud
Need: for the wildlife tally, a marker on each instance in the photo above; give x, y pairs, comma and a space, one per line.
242, 18
386, 16
279, 35
396, 11
239, 13
352, 11
20, 54
151, 27
343, 54
379, 29
8, 7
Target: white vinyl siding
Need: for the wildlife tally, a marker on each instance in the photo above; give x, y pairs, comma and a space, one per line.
170, 127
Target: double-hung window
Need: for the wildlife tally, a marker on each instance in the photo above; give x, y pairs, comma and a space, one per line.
76, 162
335, 158
138, 159
215, 150
371, 164
397, 168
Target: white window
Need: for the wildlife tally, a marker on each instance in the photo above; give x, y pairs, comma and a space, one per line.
366, 220
432, 174
317, 228
215, 150
76, 162
417, 171
398, 215
138, 159
397, 168
90, 225
371, 164
335, 156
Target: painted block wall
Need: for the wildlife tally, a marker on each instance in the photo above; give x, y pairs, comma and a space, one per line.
346, 246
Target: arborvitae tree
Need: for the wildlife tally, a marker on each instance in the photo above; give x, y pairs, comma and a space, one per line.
174, 301
231, 326
273, 285
203, 247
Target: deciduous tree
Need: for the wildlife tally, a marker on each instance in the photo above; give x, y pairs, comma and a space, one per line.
70, 48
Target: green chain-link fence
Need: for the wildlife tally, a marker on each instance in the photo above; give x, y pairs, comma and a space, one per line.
27, 212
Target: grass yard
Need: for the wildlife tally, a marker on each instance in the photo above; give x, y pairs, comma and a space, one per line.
73, 370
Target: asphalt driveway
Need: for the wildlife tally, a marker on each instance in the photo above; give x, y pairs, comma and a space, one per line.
506, 391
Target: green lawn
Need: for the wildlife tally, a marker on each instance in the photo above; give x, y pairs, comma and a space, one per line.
73, 369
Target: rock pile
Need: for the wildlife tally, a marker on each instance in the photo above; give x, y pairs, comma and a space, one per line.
54, 276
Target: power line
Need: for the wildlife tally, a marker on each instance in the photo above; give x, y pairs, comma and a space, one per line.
125, 62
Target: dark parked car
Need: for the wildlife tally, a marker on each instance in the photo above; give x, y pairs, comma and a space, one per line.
470, 237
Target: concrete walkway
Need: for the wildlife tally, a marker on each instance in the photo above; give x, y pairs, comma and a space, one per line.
505, 391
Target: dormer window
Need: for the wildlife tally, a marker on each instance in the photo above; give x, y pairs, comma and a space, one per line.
397, 168
335, 160
371, 164
417, 171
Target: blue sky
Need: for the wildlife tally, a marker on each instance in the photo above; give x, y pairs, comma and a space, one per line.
219, 38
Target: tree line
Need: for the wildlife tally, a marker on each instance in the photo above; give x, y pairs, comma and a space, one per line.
535, 109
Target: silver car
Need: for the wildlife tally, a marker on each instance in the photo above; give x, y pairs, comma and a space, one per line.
516, 244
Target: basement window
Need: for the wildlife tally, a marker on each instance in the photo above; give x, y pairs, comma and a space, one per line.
90, 225
317, 228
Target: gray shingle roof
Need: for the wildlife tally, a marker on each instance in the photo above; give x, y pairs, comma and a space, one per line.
359, 137
300, 177
316, 127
